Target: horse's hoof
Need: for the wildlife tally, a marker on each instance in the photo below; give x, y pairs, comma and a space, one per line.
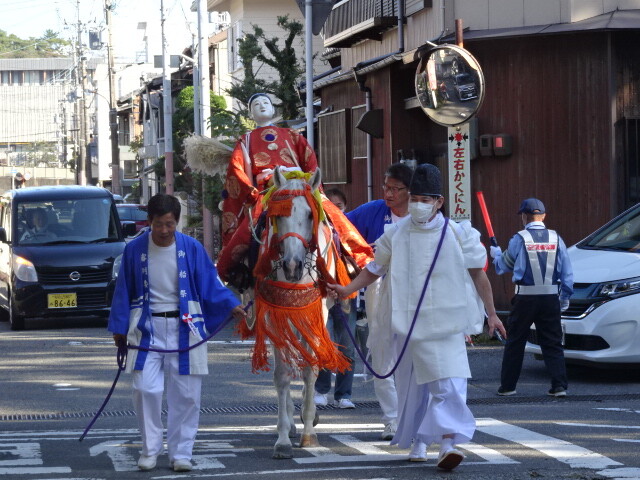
316, 419
292, 431
309, 440
281, 451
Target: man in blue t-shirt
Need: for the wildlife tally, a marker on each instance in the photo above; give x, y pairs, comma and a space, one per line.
370, 220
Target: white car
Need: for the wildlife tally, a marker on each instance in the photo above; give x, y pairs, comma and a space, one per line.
602, 324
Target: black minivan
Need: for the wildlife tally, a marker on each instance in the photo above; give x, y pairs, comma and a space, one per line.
60, 252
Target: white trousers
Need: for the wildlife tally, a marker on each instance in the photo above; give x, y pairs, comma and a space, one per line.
431, 410
183, 396
381, 347
385, 388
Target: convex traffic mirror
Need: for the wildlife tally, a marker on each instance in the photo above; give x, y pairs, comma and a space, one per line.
449, 85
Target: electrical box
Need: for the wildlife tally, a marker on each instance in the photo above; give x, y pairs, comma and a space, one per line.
502, 144
486, 145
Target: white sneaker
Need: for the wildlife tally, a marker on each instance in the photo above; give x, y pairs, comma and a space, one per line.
182, 465
147, 462
345, 403
389, 431
418, 452
450, 459
320, 399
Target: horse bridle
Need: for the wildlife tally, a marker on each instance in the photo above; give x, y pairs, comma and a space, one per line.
309, 245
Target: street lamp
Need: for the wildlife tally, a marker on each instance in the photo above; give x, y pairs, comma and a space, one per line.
115, 149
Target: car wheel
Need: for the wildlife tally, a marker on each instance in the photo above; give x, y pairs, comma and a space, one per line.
17, 321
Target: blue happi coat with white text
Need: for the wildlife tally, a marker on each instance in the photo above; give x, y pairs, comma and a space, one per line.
202, 296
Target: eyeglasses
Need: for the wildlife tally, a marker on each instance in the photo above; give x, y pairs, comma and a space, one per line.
393, 190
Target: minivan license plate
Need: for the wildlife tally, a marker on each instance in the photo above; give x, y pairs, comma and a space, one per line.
62, 300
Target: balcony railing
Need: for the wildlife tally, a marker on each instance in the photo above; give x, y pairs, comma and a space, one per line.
356, 20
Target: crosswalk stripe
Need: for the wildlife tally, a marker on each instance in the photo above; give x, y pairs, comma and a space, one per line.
565, 452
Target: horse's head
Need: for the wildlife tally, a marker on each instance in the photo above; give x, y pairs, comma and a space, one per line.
296, 218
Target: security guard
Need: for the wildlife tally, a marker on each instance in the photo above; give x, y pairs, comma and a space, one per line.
543, 276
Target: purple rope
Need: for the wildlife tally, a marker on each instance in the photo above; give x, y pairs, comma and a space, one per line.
121, 358
343, 317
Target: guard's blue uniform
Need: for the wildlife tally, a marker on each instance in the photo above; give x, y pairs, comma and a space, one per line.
543, 276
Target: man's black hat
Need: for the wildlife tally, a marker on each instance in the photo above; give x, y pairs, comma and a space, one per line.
426, 181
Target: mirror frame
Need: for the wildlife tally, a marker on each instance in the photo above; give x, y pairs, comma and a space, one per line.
429, 98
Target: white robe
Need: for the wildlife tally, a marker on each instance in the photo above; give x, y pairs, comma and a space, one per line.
436, 347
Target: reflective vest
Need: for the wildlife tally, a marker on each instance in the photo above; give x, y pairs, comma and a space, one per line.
541, 285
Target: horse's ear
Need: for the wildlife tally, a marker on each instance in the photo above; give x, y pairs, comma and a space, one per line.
315, 179
278, 178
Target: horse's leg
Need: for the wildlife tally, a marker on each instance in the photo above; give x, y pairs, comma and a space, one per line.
290, 413
309, 437
282, 381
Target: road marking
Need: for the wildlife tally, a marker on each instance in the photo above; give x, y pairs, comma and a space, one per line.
120, 457
626, 410
565, 452
22, 450
368, 452
598, 425
33, 471
621, 473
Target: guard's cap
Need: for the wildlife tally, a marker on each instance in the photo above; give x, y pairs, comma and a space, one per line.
426, 180
531, 206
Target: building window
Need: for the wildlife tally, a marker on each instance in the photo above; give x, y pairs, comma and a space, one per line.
32, 77
17, 77
358, 137
335, 146
631, 152
233, 35
124, 130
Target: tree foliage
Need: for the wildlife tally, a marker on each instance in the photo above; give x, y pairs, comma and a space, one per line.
48, 45
223, 124
283, 59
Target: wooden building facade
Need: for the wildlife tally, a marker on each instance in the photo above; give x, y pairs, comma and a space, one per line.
568, 96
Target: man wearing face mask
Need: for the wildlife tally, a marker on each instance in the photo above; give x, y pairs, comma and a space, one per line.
429, 260
543, 276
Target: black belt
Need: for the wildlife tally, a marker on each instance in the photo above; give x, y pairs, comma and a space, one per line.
171, 314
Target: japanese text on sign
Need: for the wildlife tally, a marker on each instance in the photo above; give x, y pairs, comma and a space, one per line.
459, 201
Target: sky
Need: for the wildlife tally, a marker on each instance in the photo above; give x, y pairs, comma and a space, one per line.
31, 18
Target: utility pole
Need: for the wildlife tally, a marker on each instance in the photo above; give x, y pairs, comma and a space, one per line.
81, 155
166, 108
113, 107
308, 48
204, 87
64, 134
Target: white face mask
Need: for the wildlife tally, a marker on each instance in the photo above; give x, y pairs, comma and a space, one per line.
422, 212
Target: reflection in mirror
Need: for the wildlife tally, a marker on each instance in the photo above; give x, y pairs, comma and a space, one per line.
449, 85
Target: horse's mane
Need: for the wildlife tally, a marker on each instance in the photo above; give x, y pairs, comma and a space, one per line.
293, 175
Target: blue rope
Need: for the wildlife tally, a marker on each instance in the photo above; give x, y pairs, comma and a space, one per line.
121, 359
337, 309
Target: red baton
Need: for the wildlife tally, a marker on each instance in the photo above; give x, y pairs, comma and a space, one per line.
487, 219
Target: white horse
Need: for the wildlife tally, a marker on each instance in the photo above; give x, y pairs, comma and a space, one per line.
290, 306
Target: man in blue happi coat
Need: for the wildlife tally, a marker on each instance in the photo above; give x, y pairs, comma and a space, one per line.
168, 296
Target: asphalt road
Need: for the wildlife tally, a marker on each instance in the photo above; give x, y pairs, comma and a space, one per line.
55, 376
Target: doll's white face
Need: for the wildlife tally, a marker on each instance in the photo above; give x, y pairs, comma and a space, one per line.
262, 110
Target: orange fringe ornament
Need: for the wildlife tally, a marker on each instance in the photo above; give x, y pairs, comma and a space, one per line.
298, 332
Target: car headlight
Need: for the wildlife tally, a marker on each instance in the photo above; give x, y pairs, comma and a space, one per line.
116, 267
619, 288
24, 269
